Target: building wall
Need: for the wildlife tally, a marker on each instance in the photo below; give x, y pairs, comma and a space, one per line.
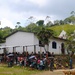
2, 44
29, 39
58, 48
20, 39
36, 42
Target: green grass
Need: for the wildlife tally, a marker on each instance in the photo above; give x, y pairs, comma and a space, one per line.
16, 70
68, 28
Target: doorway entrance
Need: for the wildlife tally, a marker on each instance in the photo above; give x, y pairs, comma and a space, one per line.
62, 48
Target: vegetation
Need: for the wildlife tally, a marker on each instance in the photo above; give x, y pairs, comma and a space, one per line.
16, 70
43, 35
34, 28
70, 45
68, 28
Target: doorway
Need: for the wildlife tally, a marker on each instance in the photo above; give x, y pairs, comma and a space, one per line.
62, 48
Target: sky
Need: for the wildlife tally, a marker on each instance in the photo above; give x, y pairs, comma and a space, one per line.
13, 11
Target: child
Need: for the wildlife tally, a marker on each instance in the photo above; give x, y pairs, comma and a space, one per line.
55, 66
66, 65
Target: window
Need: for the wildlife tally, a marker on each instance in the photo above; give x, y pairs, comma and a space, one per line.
54, 45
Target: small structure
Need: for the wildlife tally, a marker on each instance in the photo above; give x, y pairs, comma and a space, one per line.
62, 35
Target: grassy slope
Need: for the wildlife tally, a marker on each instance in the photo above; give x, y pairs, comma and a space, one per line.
68, 28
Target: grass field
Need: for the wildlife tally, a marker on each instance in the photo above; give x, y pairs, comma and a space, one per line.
16, 70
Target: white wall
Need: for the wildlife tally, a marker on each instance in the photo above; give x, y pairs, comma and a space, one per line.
2, 44
25, 39
36, 42
20, 39
58, 49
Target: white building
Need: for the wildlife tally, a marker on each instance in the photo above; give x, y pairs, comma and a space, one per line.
63, 35
20, 41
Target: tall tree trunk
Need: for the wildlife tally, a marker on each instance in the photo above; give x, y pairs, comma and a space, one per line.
48, 47
72, 53
44, 48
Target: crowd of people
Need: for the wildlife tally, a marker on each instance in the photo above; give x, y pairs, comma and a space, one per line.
40, 61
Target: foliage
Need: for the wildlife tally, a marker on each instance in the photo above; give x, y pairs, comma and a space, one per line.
40, 22
49, 24
70, 45
56, 22
70, 19
32, 28
57, 27
4, 32
44, 35
1, 36
19, 28
18, 23
61, 22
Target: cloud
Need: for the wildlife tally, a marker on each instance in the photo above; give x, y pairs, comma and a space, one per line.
21, 10
40, 3
59, 8
5, 22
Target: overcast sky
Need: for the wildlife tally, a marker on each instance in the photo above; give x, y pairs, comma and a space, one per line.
12, 11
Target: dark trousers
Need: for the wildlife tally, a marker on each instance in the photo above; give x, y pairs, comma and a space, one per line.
51, 66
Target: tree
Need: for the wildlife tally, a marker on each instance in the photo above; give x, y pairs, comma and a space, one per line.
32, 28
56, 22
21, 28
1, 36
18, 24
40, 23
71, 45
67, 20
44, 36
31, 19
72, 13
49, 24
61, 22
6, 31
70, 19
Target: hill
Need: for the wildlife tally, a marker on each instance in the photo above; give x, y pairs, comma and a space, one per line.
58, 28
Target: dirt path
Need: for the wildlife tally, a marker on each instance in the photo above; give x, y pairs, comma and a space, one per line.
55, 72
50, 73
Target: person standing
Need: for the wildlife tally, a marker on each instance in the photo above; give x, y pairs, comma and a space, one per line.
51, 64
71, 63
